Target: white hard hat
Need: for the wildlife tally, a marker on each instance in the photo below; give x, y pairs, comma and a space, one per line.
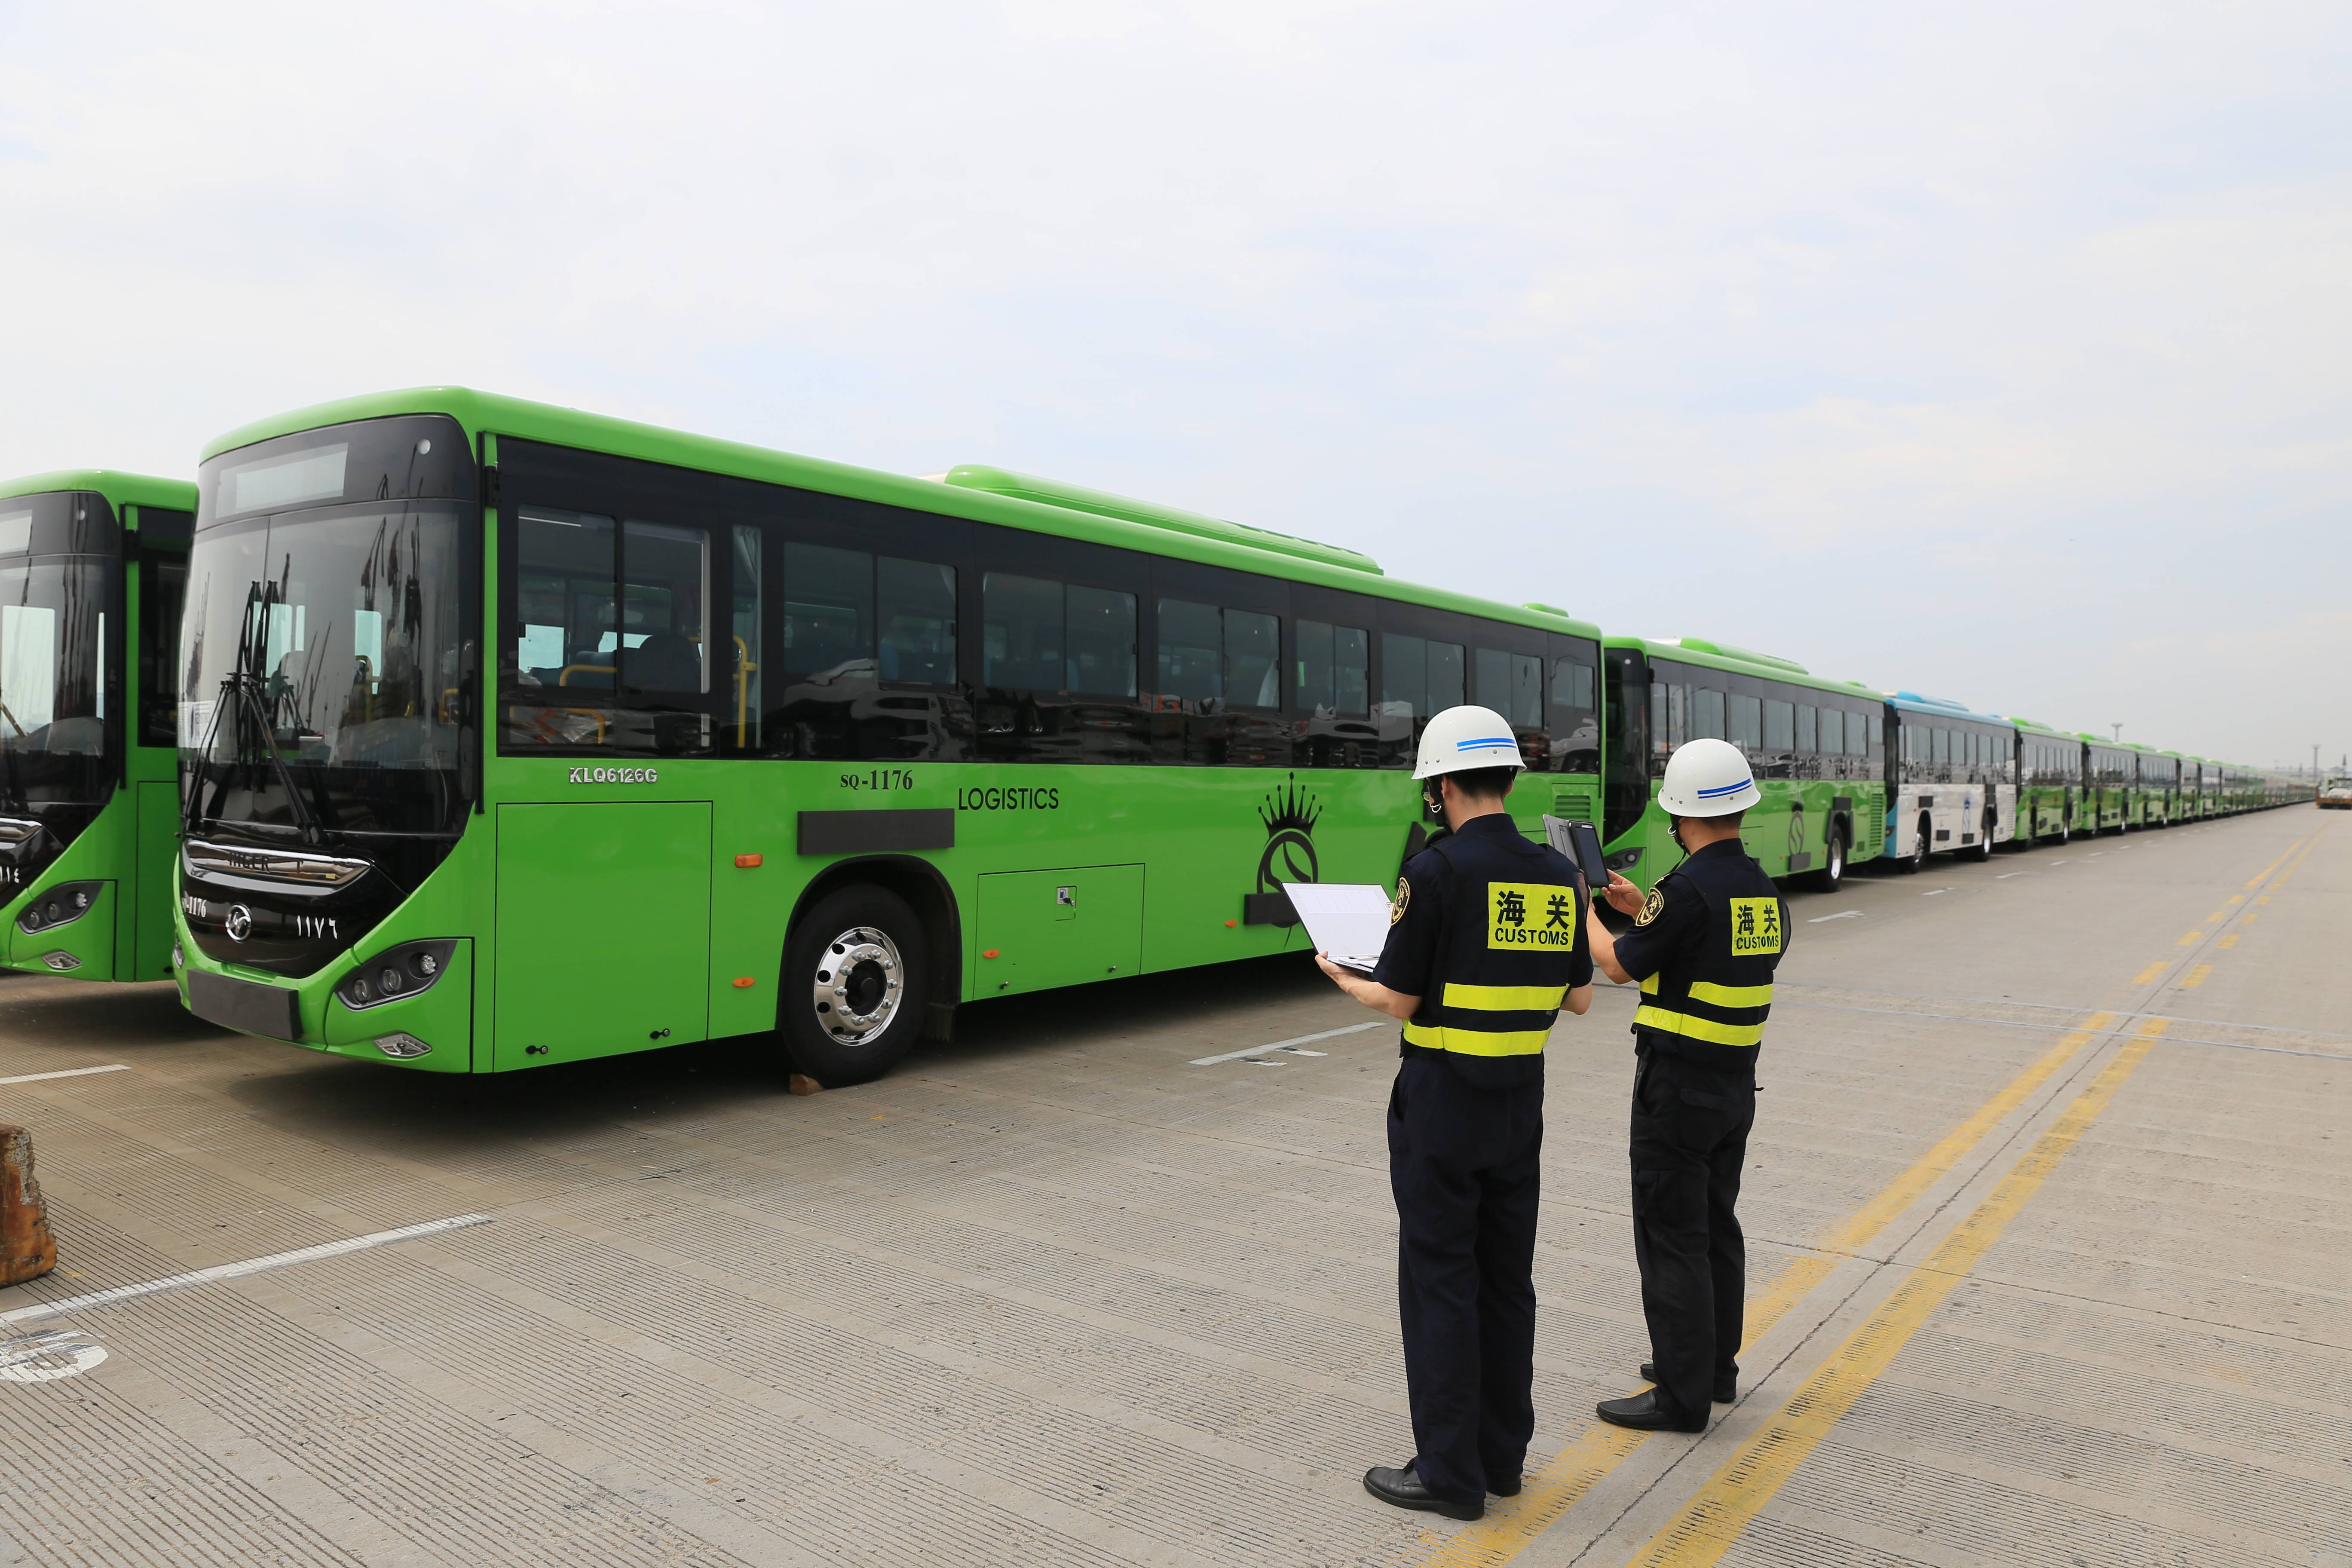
1463, 738
1707, 778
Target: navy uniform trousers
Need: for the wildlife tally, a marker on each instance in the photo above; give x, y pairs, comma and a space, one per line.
1463, 1164
1690, 1138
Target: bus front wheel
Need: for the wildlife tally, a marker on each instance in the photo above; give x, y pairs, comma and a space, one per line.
856, 986
1917, 860
1982, 848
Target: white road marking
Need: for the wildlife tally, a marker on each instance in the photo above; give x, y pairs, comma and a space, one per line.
69, 1072
1841, 915
49, 1355
239, 1271
2057, 862
1933, 892
1286, 1045
2005, 876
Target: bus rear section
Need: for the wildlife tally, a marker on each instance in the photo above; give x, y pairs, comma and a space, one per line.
1952, 779
91, 567
516, 736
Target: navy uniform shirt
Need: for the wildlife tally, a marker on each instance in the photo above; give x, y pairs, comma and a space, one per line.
1417, 942
1676, 931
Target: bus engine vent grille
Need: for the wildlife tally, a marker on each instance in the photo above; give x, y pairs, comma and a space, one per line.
1572, 804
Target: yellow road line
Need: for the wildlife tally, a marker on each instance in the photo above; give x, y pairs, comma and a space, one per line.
2191, 940
1706, 1527
2196, 977
2250, 916
1509, 1527
2228, 940
2147, 975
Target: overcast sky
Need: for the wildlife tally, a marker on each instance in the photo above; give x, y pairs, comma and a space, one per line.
1998, 352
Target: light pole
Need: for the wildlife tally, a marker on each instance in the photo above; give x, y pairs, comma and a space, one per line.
2118, 729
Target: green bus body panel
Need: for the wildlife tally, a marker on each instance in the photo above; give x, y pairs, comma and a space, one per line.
158, 874
603, 929
487, 413
1036, 929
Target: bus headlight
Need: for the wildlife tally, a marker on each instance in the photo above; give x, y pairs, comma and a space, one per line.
395, 975
61, 905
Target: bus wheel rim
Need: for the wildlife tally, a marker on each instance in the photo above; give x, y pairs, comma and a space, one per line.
860, 981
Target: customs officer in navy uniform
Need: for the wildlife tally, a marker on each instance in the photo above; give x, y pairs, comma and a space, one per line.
1486, 945
1704, 947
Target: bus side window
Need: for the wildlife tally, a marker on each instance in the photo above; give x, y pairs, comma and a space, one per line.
742, 650
1334, 676
829, 612
1404, 677
1707, 714
1512, 685
663, 638
1191, 655
1807, 728
564, 598
917, 617
1252, 659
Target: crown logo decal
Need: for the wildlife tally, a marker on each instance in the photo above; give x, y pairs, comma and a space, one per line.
1290, 807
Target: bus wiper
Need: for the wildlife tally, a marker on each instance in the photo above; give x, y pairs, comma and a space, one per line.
252, 705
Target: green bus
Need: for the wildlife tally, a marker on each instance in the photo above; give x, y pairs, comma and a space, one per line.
2110, 787
514, 735
2156, 789
1817, 747
92, 568
2049, 781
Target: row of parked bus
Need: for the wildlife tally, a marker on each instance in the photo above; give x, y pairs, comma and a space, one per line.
474, 734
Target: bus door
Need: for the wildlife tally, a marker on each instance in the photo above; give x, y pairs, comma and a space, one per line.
603, 929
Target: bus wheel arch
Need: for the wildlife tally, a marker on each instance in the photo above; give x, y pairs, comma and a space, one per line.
882, 892
1837, 843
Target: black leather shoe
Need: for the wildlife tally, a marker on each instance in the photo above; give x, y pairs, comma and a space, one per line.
1643, 1413
1726, 1389
1503, 1486
1403, 1488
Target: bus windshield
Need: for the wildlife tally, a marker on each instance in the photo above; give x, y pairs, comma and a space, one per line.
53, 655
322, 653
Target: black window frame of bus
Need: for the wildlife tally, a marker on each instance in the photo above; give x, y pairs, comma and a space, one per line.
966, 720
154, 546
1792, 763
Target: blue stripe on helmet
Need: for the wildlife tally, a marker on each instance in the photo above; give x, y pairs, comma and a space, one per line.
1725, 789
1489, 741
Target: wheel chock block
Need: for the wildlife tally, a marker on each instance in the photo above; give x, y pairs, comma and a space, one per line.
800, 1083
27, 1250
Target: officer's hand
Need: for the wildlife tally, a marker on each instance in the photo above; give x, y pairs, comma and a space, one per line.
1622, 896
1323, 961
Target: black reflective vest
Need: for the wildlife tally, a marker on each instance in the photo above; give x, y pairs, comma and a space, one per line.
1710, 1001
1512, 924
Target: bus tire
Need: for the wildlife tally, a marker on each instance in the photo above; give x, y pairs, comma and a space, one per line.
856, 985
1982, 848
1917, 861
1832, 871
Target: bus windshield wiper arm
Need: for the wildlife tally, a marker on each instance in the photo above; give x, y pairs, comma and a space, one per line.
251, 704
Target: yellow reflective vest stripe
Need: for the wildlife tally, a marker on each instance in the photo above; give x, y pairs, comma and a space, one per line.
1506, 998
1732, 995
1667, 1022
1477, 1042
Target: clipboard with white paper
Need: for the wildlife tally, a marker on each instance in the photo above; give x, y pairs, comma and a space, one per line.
1348, 920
